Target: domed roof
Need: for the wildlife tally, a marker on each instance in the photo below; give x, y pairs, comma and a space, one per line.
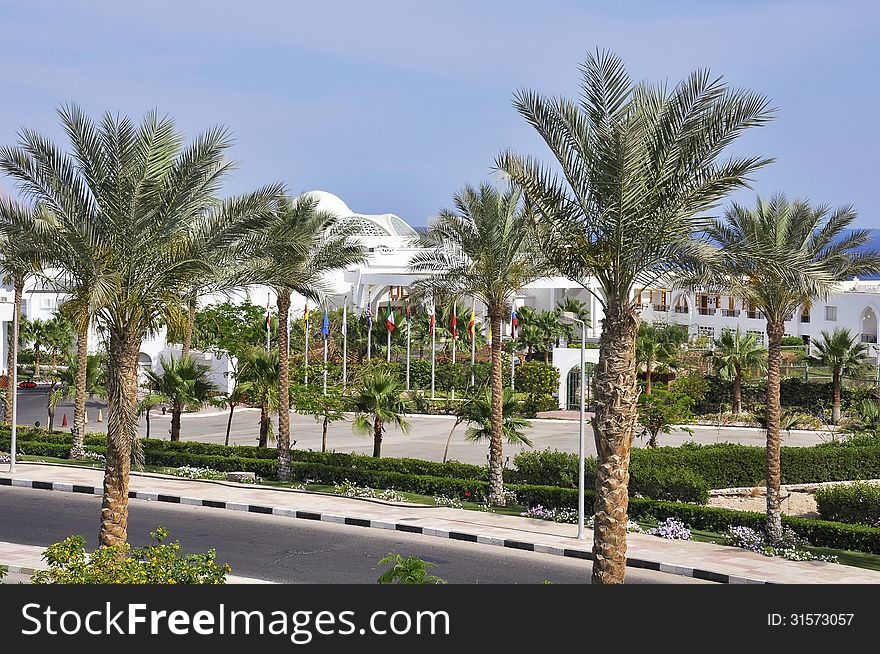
331, 203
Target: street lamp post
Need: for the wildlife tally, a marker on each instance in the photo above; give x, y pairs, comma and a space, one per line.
569, 316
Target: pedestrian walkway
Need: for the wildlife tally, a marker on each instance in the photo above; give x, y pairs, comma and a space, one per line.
701, 560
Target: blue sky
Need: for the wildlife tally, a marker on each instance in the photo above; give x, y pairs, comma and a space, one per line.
393, 106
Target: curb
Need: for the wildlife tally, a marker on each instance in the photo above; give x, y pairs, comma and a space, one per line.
644, 564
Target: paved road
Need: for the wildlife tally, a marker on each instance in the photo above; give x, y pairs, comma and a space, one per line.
287, 550
427, 439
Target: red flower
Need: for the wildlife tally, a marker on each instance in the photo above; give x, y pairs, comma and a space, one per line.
467, 493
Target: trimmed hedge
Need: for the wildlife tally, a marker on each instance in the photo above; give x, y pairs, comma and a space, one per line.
721, 465
855, 503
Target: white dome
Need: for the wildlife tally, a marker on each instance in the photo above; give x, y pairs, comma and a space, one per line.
330, 203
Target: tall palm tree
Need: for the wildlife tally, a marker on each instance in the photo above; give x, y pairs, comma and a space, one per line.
845, 355
640, 164
259, 370
484, 249
779, 256
184, 384
379, 401
653, 352
478, 413
145, 206
59, 338
37, 335
734, 355
293, 251
579, 308
550, 328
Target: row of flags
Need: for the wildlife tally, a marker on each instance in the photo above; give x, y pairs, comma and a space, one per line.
391, 324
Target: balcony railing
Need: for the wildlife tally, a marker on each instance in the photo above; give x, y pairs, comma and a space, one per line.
681, 309
730, 313
661, 307
706, 311
869, 338
756, 314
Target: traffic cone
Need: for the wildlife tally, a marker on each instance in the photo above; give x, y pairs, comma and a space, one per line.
100, 416
64, 421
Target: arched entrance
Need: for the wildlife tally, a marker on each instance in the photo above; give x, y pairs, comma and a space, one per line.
869, 326
573, 399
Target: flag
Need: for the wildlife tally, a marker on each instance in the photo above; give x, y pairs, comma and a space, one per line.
369, 316
513, 323
306, 315
408, 314
431, 320
454, 323
472, 325
389, 321
325, 328
268, 315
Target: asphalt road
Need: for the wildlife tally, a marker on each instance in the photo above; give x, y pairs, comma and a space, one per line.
427, 439
287, 550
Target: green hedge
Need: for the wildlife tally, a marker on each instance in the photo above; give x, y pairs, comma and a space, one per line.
721, 465
855, 503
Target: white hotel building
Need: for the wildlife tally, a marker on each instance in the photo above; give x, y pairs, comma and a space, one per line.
854, 306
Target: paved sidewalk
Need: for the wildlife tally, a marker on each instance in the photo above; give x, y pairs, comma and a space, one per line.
702, 560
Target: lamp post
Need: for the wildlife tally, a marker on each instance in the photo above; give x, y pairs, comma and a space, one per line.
571, 317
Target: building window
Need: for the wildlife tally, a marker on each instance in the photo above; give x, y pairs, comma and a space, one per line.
708, 332
831, 313
759, 335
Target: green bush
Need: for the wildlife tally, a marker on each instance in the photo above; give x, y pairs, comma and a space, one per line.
855, 503
536, 378
119, 564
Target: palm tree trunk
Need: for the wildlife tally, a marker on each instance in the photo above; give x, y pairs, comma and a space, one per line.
284, 473
613, 428
264, 426
496, 447
78, 429
324, 434
773, 474
190, 324
18, 284
835, 408
377, 438
648, 386
37, 360
148, 425
229, 423
175, 422
737, 390
121, 435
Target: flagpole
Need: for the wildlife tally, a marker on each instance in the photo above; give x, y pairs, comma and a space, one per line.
388, 357
408, 334
326, 340
473, 324
369, 328
307, 346
433, 348
345, 342
454, 341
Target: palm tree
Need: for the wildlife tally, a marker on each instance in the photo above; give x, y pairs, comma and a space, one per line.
184, 384
294, 251
142, 208
845, 355
379, 401
484, 249
777, 257
59, 338
64, 384
36, 332
19, 260
653, 352
230, 400
550, 328
259, 369
734, 355
579, 308
478, 413
145, 406
640, 165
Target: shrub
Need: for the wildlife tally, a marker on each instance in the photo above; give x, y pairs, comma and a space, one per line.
409, 570
855, 503
536, 378
672, 529
119, 564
